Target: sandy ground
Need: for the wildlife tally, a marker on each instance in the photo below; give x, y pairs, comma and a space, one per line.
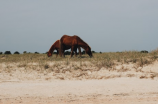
21, 86
111, 91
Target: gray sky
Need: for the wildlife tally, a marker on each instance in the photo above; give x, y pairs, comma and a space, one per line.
106, 25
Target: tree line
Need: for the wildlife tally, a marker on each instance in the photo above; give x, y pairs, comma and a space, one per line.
66, 52
16, 52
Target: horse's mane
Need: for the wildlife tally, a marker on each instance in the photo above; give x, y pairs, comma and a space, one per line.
55, 42
83, 41
51, 48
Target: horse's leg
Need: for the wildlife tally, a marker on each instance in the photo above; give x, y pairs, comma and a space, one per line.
60, 48
57, 53
79, 49
76, 53
75, 49
63, 53
72, 48
72, 53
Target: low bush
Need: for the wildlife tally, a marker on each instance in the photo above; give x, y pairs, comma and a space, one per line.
25, 52
7, 52
144, 51
16, 52
36, 52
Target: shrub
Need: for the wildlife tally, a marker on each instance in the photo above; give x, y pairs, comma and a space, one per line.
93, 52
7, 52
1, 52
25, 52
36, 52
144, 51
16, 52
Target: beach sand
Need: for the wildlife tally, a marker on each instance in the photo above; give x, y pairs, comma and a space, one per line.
31, 87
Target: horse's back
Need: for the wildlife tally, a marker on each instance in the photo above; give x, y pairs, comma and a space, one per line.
66, 39
72, 41
71, 38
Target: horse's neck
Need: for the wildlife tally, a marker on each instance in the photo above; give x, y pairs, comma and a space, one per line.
84, 46
52, 49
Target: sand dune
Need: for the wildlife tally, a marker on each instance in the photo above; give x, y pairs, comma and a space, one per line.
123, 84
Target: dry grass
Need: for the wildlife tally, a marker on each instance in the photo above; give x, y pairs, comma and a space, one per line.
81, 68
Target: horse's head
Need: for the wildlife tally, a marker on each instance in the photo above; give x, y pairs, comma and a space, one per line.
49, 54
88, 51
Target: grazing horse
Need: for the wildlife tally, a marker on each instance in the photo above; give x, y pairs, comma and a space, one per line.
55, 46
74, 42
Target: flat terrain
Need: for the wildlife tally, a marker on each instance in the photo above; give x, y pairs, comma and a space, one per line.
111, 91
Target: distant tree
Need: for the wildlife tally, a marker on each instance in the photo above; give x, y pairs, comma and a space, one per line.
118, 52
1, 52
100, 52
36, 52
7, 52
144, 51
25, 52
16, 52
93, 52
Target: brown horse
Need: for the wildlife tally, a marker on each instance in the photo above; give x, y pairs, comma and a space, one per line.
55, 46
74, 42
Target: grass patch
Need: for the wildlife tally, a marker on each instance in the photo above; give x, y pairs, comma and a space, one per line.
85, 66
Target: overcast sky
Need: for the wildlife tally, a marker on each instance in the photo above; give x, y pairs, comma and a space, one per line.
106, 25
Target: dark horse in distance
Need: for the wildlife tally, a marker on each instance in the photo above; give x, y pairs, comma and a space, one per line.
74, 42
56, 46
